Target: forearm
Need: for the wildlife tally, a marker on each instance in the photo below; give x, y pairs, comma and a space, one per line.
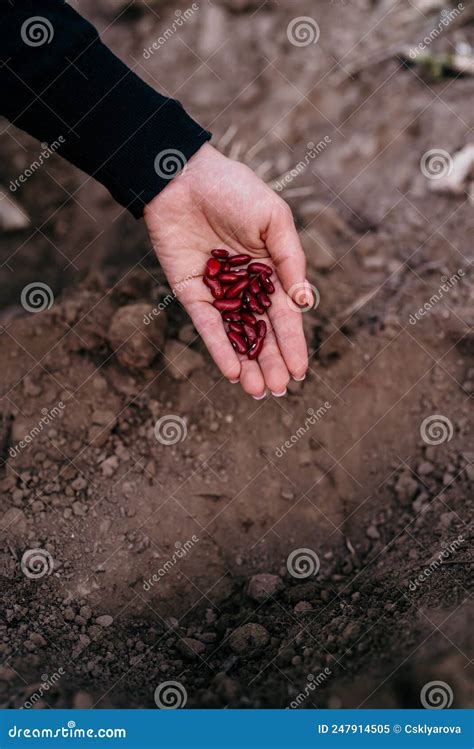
112, 124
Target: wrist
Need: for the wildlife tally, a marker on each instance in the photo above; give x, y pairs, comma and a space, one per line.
184, 179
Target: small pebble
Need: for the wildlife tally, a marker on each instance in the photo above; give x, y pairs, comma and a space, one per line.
104, 621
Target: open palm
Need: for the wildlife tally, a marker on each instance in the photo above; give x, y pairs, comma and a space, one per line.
216, 202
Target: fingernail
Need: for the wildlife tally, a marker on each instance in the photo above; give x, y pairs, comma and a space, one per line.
300, 379
279, 395
308, 293
233, 382
259, 397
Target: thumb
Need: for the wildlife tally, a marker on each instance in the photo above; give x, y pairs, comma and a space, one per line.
285, 248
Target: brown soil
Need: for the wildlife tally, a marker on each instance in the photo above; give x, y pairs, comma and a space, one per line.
360, 487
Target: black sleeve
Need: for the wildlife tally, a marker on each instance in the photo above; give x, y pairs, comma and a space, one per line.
61, 84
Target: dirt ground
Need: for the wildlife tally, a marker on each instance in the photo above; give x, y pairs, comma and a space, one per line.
176, 562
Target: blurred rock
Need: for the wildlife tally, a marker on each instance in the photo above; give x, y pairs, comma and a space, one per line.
406, 488
302, 608
136, 344
182, 360
263, 586
248, 637
13, 525
460, 172
12, 216
316, 249
104, 621
82, 701
213, 30
190, 648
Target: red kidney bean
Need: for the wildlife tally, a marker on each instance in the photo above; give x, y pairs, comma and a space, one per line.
215, 286
231, 277
238, 294
248, 318
251, 302
227, 305
255, 349
238, 342
261, 329
249, 331
237, 289
266, 283
263, 300
239, 259
213, 267
259, 268
254, 286
220, 253
254, 305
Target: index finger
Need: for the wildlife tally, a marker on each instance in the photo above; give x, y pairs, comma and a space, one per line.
285, 248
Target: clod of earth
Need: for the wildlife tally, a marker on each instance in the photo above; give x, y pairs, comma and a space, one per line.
135, 343
248, 637
263, 586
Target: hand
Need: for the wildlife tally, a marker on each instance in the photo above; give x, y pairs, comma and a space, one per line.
216, 202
